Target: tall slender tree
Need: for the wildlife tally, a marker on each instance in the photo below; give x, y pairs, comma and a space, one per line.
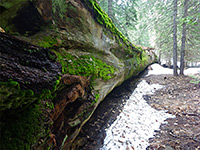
110, 8
183, 39
175, 39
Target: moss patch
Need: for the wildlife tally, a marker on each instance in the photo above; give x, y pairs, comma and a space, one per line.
23, 124
85, 65
12, 96
47, 42
21, 130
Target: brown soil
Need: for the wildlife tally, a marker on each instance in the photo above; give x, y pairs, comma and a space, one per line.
182, 99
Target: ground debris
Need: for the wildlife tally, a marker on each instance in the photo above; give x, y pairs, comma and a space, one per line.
181, 98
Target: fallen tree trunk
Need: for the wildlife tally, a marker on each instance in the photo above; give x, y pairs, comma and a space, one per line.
53, 79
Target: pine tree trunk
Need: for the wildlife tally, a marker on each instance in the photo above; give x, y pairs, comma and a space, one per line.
110, 8
183, 40
175, 39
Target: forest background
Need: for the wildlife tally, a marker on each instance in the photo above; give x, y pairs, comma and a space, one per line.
172, 27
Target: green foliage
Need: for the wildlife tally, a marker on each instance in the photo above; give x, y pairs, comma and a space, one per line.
191, 20
7, 5
155, 28
195, 80
49, 105
85, 65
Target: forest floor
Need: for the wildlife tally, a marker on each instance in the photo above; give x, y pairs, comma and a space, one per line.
181, 98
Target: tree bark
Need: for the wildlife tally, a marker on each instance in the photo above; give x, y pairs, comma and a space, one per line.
30, 65
183, 40
175, 39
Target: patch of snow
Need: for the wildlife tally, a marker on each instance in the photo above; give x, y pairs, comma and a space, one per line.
191, 71
136, 123
158, 69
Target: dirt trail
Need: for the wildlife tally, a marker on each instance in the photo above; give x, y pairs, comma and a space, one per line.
181, 98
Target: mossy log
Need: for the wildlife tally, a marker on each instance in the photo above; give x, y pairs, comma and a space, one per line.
45, 86
37, 102
27, 66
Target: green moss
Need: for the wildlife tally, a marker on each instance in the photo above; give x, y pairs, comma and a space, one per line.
138, 48
12, 96
96, 97
144, 59
21, 130
47, 42
22, 124
85, 65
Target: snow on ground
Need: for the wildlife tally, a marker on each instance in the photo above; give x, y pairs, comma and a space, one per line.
158, 69
191, 71
138, 120
136, 123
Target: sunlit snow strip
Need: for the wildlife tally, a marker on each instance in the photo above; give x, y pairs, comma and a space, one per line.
136, 123
158, 69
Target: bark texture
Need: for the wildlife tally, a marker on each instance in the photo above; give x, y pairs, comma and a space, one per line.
183, 40
175, 39
32, 66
